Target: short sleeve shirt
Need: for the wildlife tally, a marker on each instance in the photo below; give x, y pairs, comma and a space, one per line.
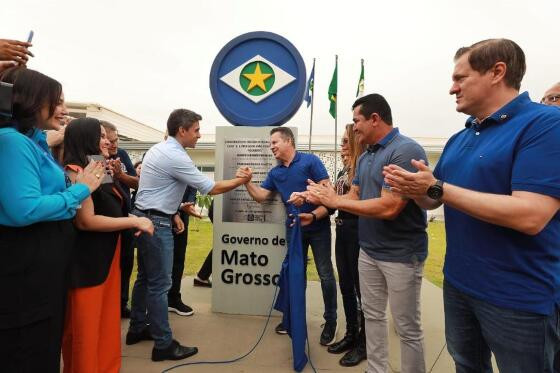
515, 149
403, 239
286, 180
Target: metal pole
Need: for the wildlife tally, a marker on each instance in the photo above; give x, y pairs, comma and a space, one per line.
312, 99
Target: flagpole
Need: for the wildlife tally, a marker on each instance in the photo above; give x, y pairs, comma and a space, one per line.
361, 81
312, 99
336, 121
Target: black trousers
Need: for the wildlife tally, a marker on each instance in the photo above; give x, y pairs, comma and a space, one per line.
179, 251
28, 349
127, 263
347, 250
34, 264
206, 269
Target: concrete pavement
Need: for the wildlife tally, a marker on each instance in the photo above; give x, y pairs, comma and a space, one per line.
224, 337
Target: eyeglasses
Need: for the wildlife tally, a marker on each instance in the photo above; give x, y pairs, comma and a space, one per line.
550, 98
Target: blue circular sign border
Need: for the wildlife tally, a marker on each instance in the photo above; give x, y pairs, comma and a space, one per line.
273, 120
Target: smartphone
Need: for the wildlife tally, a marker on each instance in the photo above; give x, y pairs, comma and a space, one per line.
6, 93
107, 178
30, 36
97, 158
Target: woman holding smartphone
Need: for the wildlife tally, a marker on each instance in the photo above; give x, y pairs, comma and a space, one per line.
92, 337
37, 206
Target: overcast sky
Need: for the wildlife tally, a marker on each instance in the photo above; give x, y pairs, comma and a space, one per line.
146, 60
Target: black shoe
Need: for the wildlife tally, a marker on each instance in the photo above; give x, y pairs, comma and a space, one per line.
125, 312
345, 344
179, 308
354, 356
174, 352
328, 336
280, 329
202, 283
133, 338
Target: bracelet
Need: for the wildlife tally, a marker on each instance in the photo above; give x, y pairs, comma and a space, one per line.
314, 216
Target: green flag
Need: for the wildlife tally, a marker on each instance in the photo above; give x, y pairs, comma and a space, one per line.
360, 90
333, 87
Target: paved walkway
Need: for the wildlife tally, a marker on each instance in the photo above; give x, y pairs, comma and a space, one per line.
224, 337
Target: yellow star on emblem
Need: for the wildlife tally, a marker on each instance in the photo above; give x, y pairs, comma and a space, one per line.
257, 78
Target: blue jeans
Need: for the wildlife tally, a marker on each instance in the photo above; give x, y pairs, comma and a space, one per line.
320, 242
149, 295
522, 342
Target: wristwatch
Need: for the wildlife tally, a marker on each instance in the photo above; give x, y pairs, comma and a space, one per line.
436, 190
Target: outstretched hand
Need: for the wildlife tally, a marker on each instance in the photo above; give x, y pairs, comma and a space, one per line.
244, 173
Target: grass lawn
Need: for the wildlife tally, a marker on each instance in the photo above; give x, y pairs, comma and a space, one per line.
436, 253
200, 243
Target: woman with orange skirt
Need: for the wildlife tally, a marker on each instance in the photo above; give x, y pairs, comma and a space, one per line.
91, 341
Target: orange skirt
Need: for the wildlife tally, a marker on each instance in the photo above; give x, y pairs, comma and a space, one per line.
92, 331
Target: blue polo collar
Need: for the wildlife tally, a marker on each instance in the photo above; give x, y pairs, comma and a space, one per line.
384, 141
296, 158
504, 114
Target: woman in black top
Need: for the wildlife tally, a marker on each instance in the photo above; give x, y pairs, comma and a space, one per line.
92, 331
347, 249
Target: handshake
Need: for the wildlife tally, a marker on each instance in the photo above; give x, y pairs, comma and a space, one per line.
245, 173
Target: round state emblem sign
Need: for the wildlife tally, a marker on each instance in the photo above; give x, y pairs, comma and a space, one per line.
258, 79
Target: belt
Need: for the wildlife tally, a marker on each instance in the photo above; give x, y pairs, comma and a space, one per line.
340, 221
156, 213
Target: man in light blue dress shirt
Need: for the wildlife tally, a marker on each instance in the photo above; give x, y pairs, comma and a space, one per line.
166, 172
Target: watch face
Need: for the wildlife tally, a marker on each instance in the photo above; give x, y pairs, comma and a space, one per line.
435, 192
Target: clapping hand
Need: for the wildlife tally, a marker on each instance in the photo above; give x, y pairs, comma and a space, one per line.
92, 175
409, 184
319, 194
115, 167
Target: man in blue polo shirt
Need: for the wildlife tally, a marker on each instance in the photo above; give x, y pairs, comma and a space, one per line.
289, 176
392, 236
500, 186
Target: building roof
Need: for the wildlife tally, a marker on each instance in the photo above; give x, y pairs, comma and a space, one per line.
129, 129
